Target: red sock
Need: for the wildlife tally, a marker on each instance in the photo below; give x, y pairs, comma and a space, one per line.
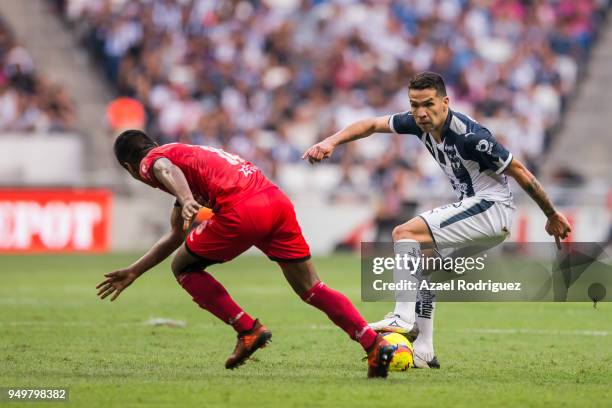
342, 312
209, 294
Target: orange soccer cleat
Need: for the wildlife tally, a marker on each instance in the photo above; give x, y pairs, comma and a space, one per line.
248, 342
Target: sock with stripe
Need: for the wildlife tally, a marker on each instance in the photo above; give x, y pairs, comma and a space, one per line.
425, 308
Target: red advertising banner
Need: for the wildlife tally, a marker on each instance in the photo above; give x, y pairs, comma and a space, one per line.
50, 220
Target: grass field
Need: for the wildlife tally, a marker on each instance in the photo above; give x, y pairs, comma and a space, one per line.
55, 332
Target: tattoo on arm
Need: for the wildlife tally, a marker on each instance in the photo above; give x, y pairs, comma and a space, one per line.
535, 191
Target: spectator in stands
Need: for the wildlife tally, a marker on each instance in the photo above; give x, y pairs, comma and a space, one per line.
28, 103
267, 78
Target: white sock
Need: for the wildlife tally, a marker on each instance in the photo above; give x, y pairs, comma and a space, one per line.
425, 308
402, 309
406, 300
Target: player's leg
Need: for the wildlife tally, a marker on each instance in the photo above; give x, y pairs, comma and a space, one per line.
409, 240
206, 291
286, 245
305, 282
340, 310
473, 222
207, 244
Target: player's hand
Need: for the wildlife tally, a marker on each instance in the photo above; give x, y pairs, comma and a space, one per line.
189, 210
320, 151
116, 282
558, 226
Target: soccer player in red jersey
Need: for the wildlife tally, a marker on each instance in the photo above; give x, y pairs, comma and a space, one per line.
248, 210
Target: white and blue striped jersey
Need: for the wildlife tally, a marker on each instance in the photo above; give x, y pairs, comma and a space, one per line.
468, 154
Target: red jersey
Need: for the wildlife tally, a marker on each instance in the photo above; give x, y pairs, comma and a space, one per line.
216, 178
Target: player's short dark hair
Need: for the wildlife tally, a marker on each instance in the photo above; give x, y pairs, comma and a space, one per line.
428, 80
132, 145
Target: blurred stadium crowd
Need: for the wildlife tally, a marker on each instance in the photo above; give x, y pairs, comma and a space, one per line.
266, 79
29, 102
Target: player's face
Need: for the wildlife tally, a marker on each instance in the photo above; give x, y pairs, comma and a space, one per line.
429, 109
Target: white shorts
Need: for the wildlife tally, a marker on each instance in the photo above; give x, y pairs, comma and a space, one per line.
473, 220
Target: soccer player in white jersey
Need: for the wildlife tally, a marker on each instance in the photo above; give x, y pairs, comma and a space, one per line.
477, 166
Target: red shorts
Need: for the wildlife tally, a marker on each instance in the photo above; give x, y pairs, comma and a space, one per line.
266, 220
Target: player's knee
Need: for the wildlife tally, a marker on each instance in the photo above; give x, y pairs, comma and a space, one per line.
176, 269
182, 265
403, 232
179, 267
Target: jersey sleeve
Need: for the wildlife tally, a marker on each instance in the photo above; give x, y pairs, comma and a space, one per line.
483, 148
146, 169
403, 123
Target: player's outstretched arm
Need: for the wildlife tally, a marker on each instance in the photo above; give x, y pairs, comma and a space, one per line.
557, 225
357, 130
115, 282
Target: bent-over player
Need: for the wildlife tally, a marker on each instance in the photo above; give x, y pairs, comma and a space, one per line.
248, 210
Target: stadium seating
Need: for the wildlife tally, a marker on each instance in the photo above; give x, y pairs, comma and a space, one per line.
28, 102
266, 79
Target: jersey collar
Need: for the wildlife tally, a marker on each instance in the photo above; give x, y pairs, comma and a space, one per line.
446, 128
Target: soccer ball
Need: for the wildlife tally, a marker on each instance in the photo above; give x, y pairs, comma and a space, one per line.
403, 357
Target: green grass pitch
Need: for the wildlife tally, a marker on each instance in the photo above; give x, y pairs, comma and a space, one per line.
55, 332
